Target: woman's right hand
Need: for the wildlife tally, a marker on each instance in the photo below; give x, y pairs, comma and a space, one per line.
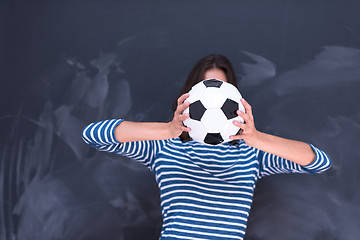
176, 126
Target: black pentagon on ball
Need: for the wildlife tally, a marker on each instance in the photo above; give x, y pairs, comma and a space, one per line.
213, 138
213, 83
196, 110
229, 108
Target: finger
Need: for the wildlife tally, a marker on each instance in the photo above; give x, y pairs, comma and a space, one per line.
184, 106
239, 124
182, 98
237, 137
247, 107
186, 129
184, 116
181, 108
244, 116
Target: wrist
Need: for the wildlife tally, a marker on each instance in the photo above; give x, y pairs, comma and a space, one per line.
170, 131
256, 139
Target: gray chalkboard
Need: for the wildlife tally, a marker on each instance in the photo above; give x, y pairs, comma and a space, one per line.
65, 64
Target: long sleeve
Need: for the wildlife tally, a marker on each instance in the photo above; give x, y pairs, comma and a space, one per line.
272, 164
101, 135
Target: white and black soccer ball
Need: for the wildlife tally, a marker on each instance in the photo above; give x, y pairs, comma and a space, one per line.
213, 106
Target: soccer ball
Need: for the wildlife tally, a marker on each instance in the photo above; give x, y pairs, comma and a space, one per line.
213, 106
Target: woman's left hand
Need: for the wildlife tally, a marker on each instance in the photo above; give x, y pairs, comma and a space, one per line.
248, 131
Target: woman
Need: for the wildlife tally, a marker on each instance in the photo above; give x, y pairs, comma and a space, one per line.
206, 191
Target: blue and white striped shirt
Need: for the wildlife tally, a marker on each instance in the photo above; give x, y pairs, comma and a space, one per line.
206, 191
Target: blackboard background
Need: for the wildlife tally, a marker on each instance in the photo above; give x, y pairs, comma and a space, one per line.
65, 64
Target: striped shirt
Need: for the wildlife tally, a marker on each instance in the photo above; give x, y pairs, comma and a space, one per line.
206, 191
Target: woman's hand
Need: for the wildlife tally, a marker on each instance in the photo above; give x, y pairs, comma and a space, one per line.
248, 131
176, 126
295, 151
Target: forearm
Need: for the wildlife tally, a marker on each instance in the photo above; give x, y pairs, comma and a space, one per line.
139, 131
296, 151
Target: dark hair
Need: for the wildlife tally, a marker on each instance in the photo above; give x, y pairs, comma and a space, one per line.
197, 74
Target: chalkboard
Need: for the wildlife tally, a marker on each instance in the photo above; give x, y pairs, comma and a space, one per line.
66, 64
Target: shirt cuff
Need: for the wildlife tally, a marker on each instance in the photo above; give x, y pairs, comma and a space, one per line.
317, 162
111, 131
